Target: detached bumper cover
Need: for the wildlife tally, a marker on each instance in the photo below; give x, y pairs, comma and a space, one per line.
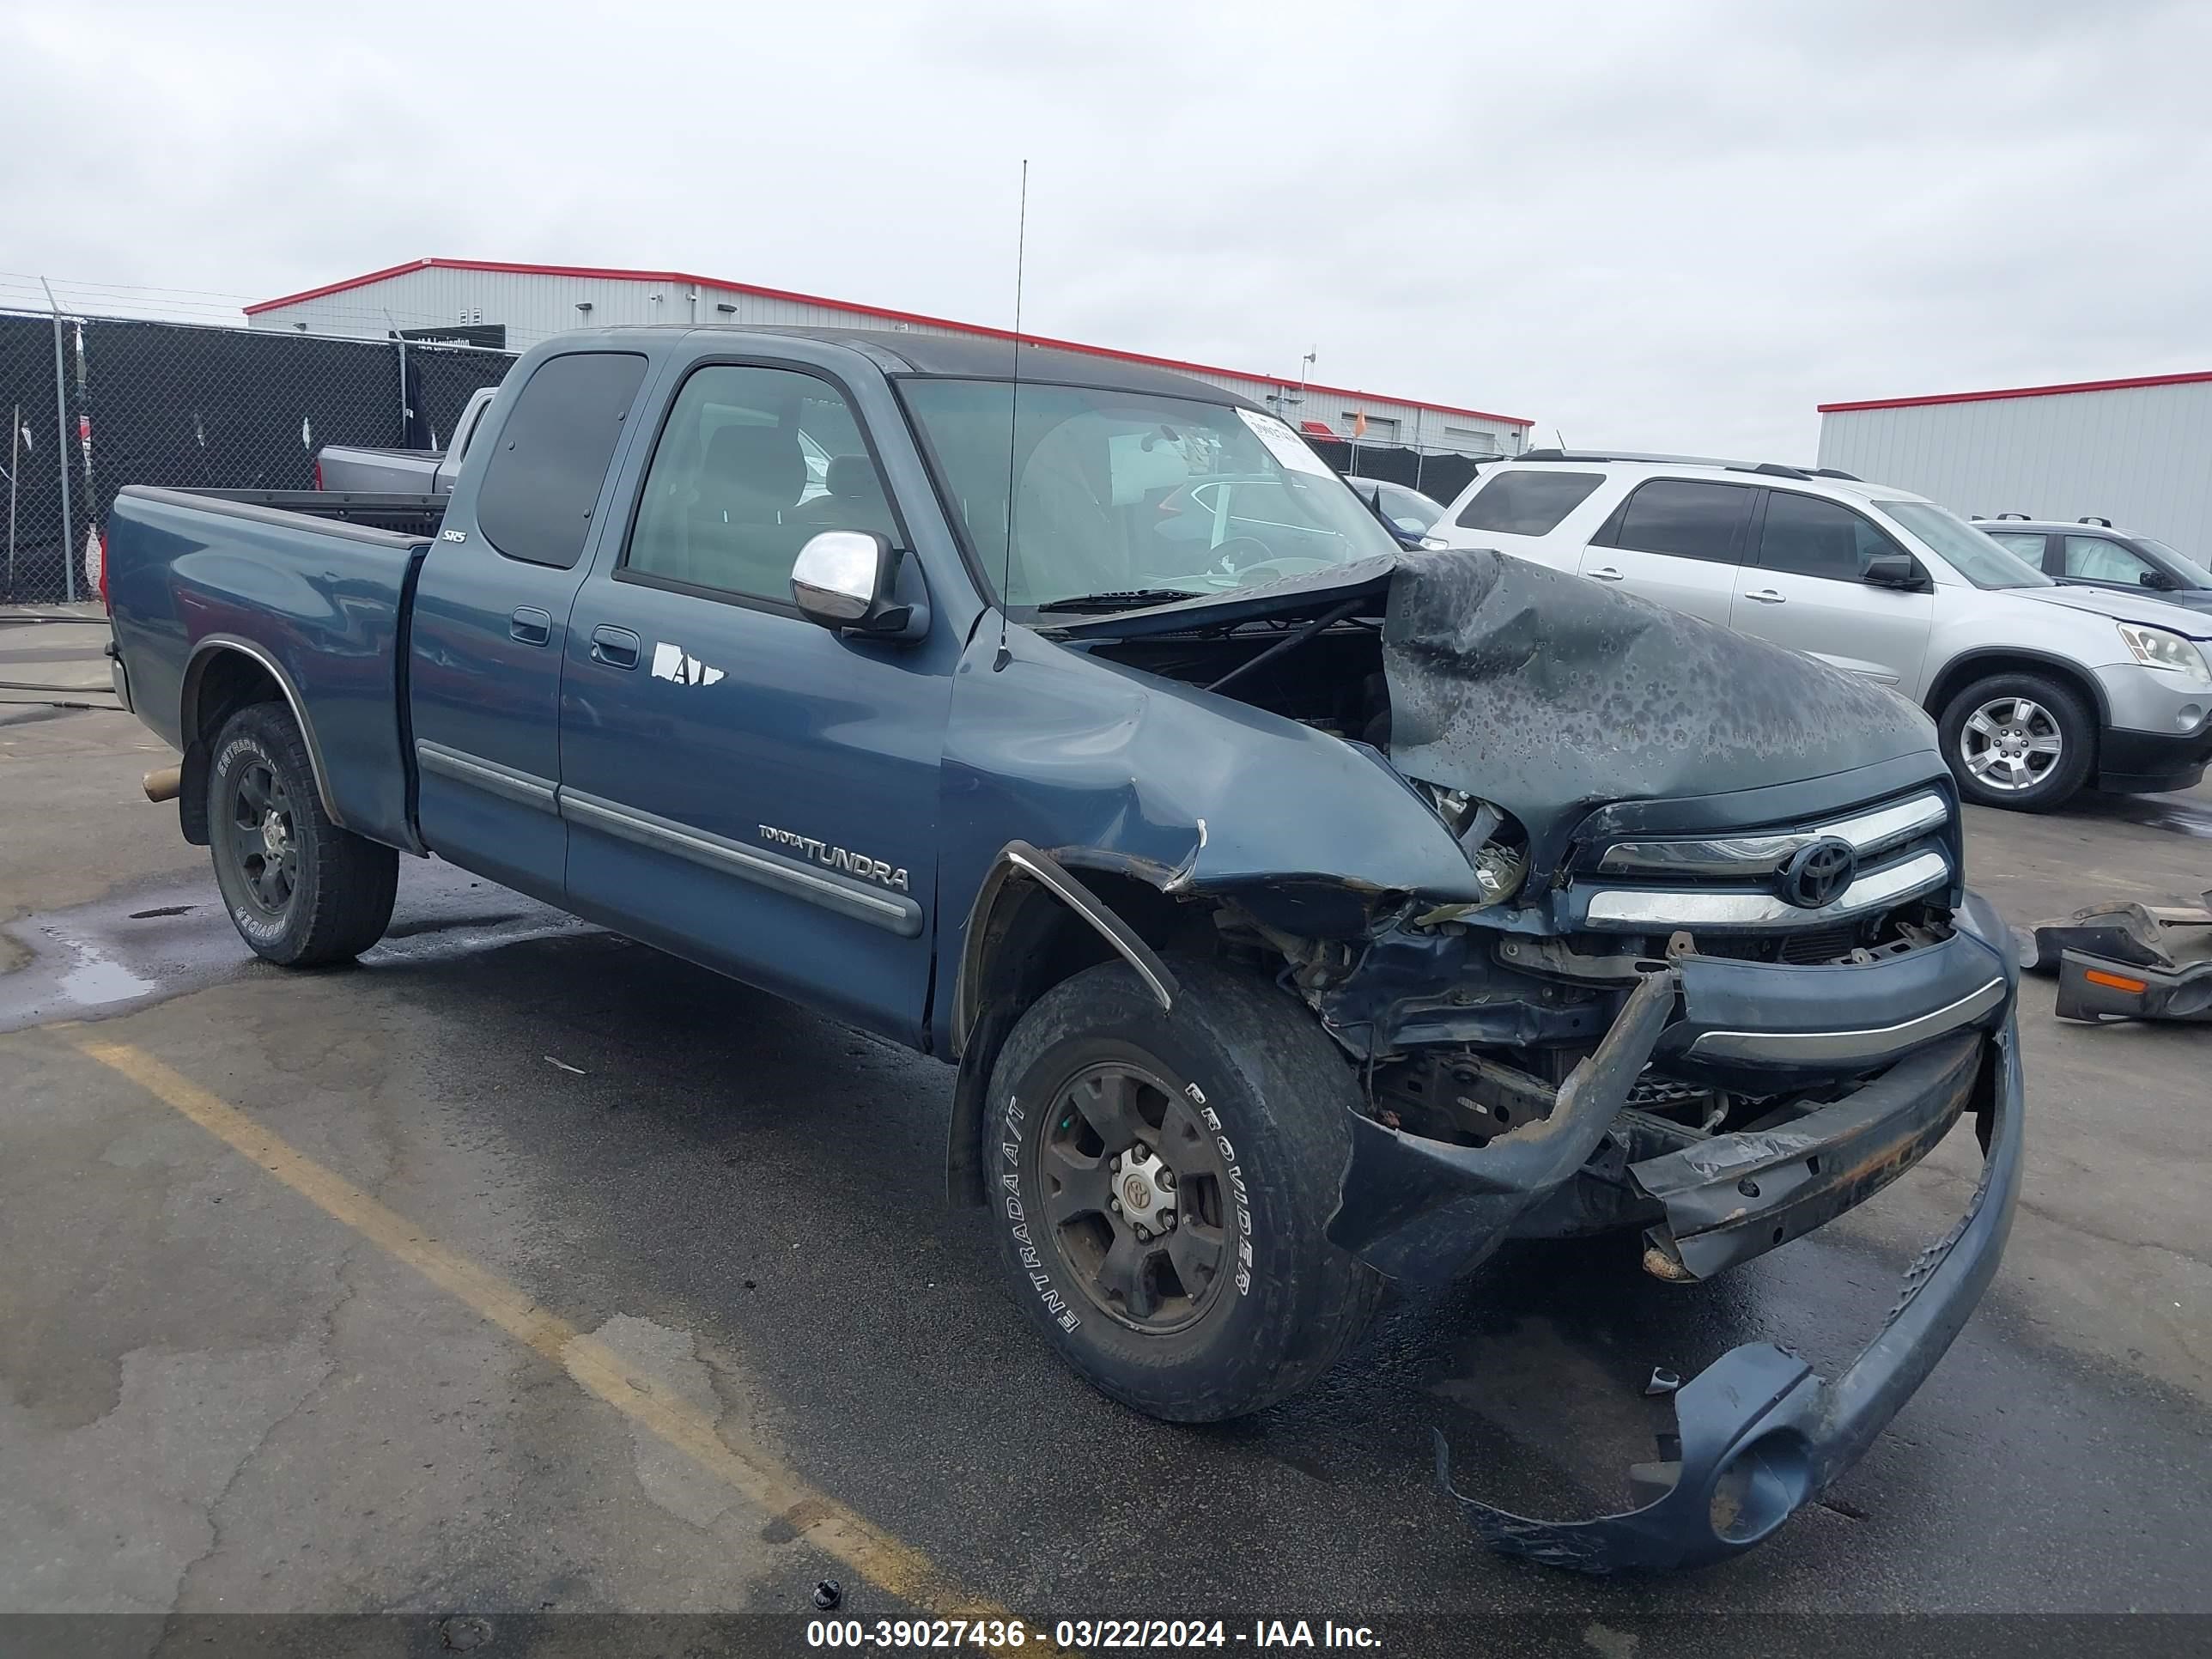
2130, 961
1759, 1433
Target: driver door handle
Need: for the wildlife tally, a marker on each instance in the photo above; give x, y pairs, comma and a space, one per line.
615, 646
1765, 596
1605, 572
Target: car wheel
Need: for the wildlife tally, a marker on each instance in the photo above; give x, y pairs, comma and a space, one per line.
2023, 741
300, 892
1161, 1183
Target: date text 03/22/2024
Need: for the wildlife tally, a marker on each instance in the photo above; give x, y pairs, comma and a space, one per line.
1089, 1635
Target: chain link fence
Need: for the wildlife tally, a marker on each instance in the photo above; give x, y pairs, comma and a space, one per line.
130, 402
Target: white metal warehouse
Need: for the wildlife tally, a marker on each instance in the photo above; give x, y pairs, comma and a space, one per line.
2137, 452
529, 302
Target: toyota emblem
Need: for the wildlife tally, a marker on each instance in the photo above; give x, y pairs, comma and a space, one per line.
1820, 872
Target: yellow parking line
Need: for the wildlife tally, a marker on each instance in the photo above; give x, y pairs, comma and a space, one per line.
895, 1567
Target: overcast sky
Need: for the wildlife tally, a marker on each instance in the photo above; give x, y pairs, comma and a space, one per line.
1670, 226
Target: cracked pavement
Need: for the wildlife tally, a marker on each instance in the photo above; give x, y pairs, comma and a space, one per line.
213, 1397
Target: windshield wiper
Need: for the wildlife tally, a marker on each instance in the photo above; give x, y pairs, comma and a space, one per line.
1133, 599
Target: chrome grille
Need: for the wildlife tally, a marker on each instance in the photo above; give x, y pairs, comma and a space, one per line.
1718, 885
1869, 833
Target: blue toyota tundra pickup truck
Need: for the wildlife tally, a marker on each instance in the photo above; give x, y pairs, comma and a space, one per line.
1299, 910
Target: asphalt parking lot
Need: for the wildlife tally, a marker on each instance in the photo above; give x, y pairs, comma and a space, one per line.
523, 1270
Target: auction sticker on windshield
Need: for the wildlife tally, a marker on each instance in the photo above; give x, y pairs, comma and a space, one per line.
1285, 445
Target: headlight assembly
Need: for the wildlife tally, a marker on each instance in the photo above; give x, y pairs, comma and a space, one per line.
2154, 647
1493, 838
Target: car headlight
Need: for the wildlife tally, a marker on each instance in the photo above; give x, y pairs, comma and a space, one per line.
1491, 837
2154, 647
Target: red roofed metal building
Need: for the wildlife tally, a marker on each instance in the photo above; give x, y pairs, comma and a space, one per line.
2137, 452
516, 306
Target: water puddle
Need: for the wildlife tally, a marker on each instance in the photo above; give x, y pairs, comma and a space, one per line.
96, 981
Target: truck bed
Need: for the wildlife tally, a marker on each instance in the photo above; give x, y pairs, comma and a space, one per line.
406, 513
314, 586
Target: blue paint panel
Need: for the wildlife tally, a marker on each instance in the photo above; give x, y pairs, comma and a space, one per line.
323, 604
487, 683
834, 739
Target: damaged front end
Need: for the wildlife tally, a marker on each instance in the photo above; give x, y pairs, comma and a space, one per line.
1647, 926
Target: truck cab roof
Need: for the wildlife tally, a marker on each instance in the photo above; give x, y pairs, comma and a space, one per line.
942, 357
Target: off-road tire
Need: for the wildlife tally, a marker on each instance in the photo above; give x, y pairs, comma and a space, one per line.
2077, 730
1277, 1096
339, 902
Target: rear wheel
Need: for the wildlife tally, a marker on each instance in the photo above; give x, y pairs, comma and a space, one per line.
301, 891
1161, 1183
2023, 741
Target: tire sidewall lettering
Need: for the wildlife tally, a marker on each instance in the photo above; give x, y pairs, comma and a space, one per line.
256, 928
1027, 1251
1240, 1195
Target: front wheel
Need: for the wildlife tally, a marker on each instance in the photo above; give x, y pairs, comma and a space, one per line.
2022, 741
1160, 1184
300, 892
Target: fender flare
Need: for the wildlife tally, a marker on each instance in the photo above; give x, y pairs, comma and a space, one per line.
1019, 861
195, 751
978, 1031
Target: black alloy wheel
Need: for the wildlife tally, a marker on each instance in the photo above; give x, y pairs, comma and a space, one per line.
1136, 1192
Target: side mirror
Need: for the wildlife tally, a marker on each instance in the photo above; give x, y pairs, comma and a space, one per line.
854, 581
2159, 581
1899, 570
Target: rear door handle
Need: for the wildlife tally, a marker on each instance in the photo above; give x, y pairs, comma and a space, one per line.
1765, 596
530, 625
1605, 572
615, 646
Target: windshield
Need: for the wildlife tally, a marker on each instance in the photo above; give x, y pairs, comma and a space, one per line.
1121, 492
1963, 547
2180, 563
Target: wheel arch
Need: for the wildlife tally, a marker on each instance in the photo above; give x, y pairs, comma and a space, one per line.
1035, 923
1961, 671
224, 675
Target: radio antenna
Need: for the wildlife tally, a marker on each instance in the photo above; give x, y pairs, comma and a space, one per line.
1013, 416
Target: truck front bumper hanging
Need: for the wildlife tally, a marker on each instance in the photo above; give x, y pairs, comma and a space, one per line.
1758, 1434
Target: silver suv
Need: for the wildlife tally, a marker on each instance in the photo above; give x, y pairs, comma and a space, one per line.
2037, 689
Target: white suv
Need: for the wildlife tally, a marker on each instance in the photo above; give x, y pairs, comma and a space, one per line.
2036, 690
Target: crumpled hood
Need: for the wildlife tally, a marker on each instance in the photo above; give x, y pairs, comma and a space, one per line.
1541, 690
2152, 611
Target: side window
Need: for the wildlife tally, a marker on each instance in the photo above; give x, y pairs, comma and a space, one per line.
2095, 559
752, 464
1528, 503
1809, 536
1688, 519
2024, 543
539, 486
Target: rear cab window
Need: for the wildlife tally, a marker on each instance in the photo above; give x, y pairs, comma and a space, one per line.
543, 481
1527, 502
1683, 517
